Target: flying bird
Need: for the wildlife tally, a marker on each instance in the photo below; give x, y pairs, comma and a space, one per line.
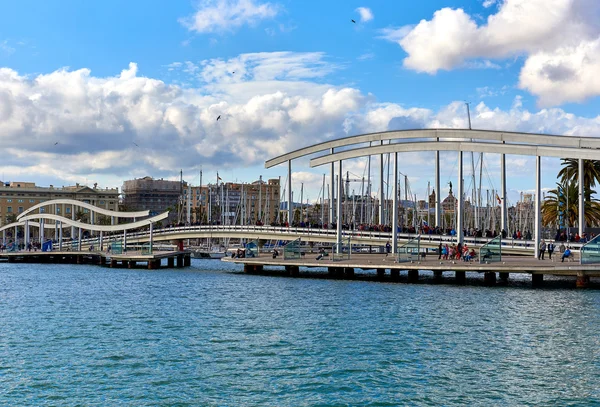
353, 21
135, 143
218, 117
233, 72
56, 143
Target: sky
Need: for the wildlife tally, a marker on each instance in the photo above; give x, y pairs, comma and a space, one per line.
101, 92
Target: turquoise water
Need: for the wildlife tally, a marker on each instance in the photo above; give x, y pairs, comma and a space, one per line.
90, 336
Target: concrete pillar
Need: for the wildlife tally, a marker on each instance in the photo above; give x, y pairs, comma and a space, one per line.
131, 264
124, 241
395, 207
26, 234
460, 276
171, 262
459, 196
489, 278
292, 270
438, 193
290, 204
180, 260
583, 281
332, 193
537, 279
339, 208
395, 274
437, 276
538, 196
113, 263
151, 241
503, 210
79, 241
349, 272
101, 243
581, 199
187, 260
503, 276
380, 273
41, 231
381, 187
60, 236
413, 276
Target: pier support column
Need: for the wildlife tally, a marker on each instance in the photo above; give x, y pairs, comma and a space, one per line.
489, 278
154, 264
339, 213
395, 274
460, 203
113, 264
537, 280
187, 260
380, 273
583, 281
131, 264
437, 276
180, 260
538, 200
79, 259
293, 271
413, 276
503, 276
395, 207
438, 207
349, 272
171, 262
461, 277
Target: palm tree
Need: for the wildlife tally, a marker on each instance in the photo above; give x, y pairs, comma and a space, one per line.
556, 201
591, 173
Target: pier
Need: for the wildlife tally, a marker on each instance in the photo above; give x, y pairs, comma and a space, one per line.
377, 267
126, 260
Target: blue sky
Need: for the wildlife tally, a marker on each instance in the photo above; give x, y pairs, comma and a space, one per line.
304, 73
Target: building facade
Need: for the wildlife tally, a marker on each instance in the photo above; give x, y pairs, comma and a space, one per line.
230, 203
155, 195
17, 197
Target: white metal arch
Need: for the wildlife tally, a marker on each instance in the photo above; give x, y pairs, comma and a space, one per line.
98, 228
509, 138
81, 204
14, 224
494, 148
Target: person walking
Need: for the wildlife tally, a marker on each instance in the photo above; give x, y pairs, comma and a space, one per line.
542, 249
550, 250
388, 248
440, 251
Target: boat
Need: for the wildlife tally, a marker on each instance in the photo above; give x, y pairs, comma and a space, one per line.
212, 253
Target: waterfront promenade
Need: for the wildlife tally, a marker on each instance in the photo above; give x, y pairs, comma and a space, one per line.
380, 267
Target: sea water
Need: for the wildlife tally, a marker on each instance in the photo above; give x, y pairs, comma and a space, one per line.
209, 335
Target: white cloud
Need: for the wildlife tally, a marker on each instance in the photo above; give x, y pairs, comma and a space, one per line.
365, 13
5, 48
96, 120
555, 35
218, 16
489, 3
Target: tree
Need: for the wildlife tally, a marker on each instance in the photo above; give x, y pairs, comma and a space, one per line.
11, 218
591, 174
555, 205
81, 216
103, 220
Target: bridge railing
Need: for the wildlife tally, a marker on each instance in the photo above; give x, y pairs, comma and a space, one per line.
590, 252
491, 252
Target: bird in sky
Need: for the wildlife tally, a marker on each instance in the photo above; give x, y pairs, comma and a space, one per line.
135, 143
353, 21
56, 143
218, 117
233, 72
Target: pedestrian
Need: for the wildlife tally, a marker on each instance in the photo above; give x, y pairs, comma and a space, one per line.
440, 251
388, 248
550, 250
542, 249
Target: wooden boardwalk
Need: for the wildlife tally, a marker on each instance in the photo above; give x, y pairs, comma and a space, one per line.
387, 266
130, 259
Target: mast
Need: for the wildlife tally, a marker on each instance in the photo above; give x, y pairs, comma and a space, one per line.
323, 202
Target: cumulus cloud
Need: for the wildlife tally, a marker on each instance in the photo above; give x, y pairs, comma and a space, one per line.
96, 120
365, 13
218, 16
555, 35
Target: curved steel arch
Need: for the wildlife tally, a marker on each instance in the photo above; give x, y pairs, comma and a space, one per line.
494, 148
91, 207
504, 137
98, 228
12, 225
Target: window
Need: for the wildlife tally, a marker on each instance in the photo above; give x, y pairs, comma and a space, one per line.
32, 201
67, 210
20, 209
102, 202
20, 201
9, 200
42, 210
57, 210
9, 209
